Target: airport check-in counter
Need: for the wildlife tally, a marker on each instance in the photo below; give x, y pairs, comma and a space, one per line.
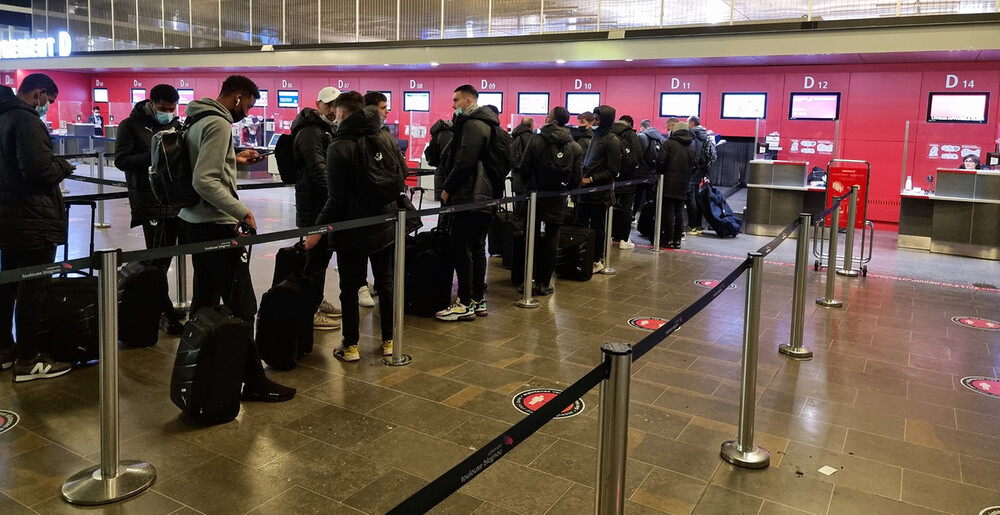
776, 193
961, 216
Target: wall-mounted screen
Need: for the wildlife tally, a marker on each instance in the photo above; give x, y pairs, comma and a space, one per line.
186, 96
138, 95
419, 101
491, 98
578, 103
958, 107
532, 103
100, 94
814, 106
288, 98
262, 101
680, 105
747, 106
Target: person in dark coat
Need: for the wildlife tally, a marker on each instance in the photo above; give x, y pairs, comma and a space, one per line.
543, 165
584, 132
160, 225
32, 221
650, 137
698, 172
98, 121
601, 167
625, 196
441, 133
520, 136
675, 164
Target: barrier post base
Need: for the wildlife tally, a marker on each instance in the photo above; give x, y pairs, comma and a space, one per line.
102, 225
89, 487
758, 458
829, 303
843, 272
795, 352
656, 250
526, 304
184, 306
403, 360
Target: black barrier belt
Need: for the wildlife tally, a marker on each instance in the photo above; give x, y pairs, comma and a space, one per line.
595, 189
779, 239
46, 270
465, 207
449, 482
77, 156
646, 344
419, 172
95, 180
262, 185
99, 196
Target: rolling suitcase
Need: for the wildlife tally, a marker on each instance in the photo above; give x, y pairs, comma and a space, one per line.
501, 236
575, 254
716, 210
647, 220
429, 268
285, 318
142, 290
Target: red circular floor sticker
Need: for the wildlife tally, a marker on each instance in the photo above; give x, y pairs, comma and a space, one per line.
983, 385
8, 419
977, 323
268, 255
529, 401
647, 323
992, 510
708, 283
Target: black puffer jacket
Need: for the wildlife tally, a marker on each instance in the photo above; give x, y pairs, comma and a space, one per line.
132, 156
603, 160
700, 136
465, 178
675, 162
583, 137
521, 134
552, 137
630, 144
312, 137
32, 214
441, 133
343, 201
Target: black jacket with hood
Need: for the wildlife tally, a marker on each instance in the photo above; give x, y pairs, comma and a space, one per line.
675, 162
342, 173
551, 210
700, 136
603, 160
465, 177
520, 136
647, 137
132, 156
32, 214
441, 133
630, 144
312, 137
583, 137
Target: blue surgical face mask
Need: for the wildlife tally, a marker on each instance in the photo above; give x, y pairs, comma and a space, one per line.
42, 109
164, 118
458, 111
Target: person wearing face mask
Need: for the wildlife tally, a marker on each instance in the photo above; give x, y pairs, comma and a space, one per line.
33, 221
160, 225
98, 121
219, 214
602, 163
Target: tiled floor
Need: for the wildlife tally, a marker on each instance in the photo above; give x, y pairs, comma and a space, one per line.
880, 402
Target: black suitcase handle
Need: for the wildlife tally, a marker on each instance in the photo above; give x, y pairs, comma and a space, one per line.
93, 220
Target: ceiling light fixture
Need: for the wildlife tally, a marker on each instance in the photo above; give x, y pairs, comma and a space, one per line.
629, 60
435, 63
560, 61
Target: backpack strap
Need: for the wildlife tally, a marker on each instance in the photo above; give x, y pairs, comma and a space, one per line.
191, 120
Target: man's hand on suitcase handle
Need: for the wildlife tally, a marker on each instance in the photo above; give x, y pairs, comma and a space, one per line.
247, 226
311, 241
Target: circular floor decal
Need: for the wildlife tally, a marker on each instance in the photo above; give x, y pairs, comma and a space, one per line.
983, 385
977, 323
992, 510
268, 255
8, 419
708, 283
646, 323
529, 401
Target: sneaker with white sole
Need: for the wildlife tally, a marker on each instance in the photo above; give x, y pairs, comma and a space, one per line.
347, 353
456, 311
626, 244
323, 322
387, 348
330, 310
479, 308
365, 298
598, 266
42, 367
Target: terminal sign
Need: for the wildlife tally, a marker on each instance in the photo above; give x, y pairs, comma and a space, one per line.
27, 48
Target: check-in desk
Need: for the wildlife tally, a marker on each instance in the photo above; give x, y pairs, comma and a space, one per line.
961, 217
776, 193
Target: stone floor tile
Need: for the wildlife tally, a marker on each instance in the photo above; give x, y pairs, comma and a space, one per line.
517, 488
481, 430
489, 377
34, 476
340, 427
908, 408
947, 496
657, 421
902, 454
320, 467
351, 394
299, 500
222, 486
778, 485
719, 500
848, 501
148, 502
851, 471
673, 455
421, 415
423, 385
954, 440
416, 453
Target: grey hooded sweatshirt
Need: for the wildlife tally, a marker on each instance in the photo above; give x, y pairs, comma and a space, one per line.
213, 159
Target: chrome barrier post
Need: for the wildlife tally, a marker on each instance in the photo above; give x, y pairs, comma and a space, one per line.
608, 220
794, 348
101, 223
398, 359
180, 273
658, 219
612, 442
111, 480
529, 255
852, 218
742, 452
831, 263
62, 152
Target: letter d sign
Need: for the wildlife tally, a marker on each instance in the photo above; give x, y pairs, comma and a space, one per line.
950, 81
577, 84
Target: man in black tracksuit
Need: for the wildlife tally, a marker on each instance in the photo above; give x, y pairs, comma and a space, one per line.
625, 196
674, 162
700, 137
521, 134
584, 131
601, 167
160, 225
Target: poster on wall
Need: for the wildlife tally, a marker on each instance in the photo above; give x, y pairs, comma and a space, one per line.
843, 175
952, 152
811, 146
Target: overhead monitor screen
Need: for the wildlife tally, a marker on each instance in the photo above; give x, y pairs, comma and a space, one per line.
186, 96
138, 95
274, 141
579, 103
417, 101
262, 101
288, 98
813, 106
491, 98
958, 107
747, 106
680, 105
533, 103
100, 94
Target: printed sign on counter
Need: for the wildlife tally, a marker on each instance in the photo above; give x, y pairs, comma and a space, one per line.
843, 175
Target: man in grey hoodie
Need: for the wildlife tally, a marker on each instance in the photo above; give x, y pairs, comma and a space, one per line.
219, 214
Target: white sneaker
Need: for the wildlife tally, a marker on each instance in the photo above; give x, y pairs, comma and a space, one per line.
626, 244
598, 266
365, 298
330, 310
322, 322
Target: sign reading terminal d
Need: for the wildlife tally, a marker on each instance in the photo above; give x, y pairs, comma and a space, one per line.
61, 46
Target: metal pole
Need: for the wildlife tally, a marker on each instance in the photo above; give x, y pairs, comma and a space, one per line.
906, 141
742, 452
831, 263
180, 270
489, 20
794, 348
612, 442
398, 359
836, 139
658, 219
756, 136
852, 217
529, 255
101, 224
608, 219
111, 480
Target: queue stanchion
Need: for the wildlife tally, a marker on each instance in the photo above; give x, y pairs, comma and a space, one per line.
111, 480
180, 275
612, 442
852, 218
608, 220
658, 218
742, 452
828, 301
794, 348
398, 359
62, 151
529, 253
101, 222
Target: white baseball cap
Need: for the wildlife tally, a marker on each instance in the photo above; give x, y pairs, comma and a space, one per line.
328, 94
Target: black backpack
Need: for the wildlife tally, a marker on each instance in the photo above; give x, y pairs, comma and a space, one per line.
284, 157
707, 156
497, 158
555, 168
378, 170
630, 156
438, 143
171, 172
652, 150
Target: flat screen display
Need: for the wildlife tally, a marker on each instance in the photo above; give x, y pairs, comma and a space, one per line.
288, 98
532, 103
274, 140
579, 103
814, 106
262, 101
419, 101
747, 106
100, 94
491, 98
186, 96
680, 105
958, 107
138, 95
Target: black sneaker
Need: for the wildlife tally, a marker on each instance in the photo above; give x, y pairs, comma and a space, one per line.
545, 289
171, 325
266, 390
42, 367
7, 357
